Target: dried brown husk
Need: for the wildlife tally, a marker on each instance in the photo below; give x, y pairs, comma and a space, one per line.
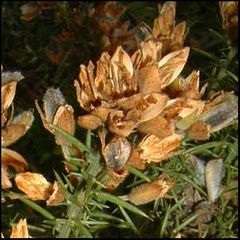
154, 149
20, 230
34, 185
159, 126
199, 131
149, 192
152, 105
114, 179
188, 113
89, 121
57, 195
118, 125
57, 112
7, 95
135, 160
13, 159
64, 119
16, 128
114, 87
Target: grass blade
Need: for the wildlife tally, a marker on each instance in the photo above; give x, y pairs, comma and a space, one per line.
71, 139
138, 173
36, 207
120, 202
129, 221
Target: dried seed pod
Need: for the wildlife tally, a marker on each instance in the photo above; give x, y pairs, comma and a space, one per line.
149, 192
199, 131
154, 149
214, 174
57, 195
17, 128
64, 119
7, 95
152, 105
135, 159
57, 112
14, 159
34, 185
117, 153
90, 121
158, 126
20, 230
118, 125
221, 114
114, 179
95, 119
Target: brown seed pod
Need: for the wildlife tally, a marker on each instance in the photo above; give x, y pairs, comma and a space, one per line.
34, 185
117, 153
149, 192
158, 126
57, 112
118, 125
7, 95
199, 131
89, 121
57, 194
16, 128
135, 160
64, 119
14, 159
114, 179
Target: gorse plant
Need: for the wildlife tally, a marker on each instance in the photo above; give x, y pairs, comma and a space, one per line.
152, 154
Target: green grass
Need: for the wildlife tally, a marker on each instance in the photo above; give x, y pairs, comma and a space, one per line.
88, 211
